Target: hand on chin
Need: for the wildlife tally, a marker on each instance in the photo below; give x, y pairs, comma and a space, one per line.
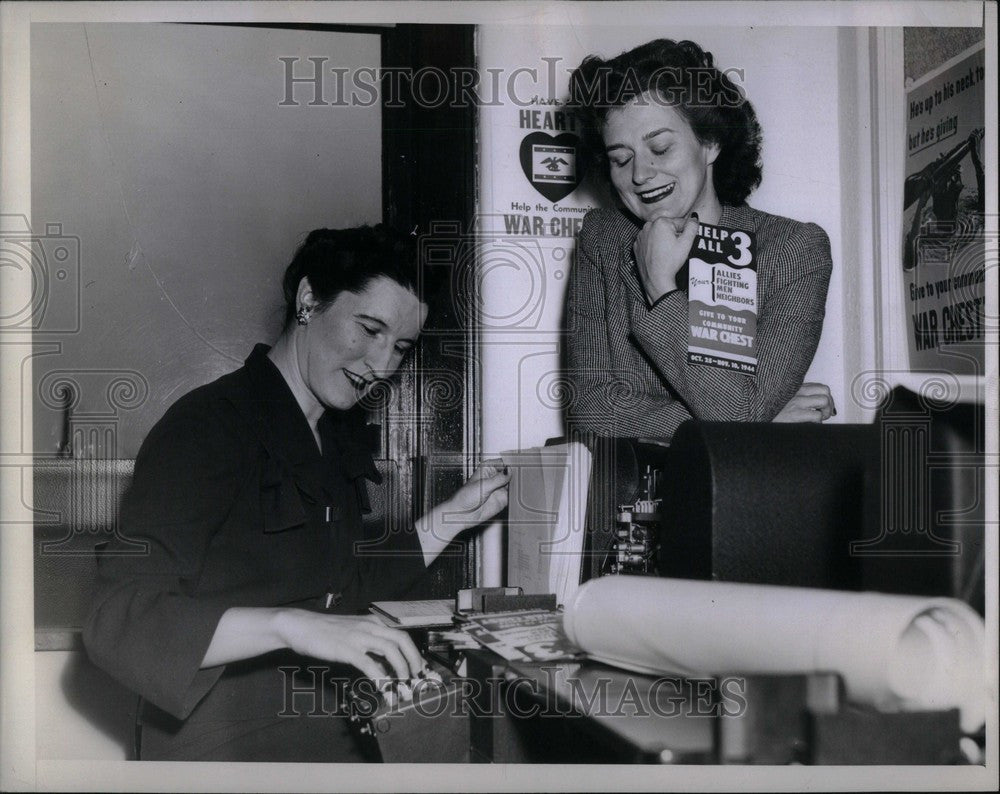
671, 215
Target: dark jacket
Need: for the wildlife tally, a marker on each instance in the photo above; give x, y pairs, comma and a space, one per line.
238, 508
626, 361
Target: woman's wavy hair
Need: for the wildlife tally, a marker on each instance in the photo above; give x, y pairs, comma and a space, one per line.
682, 75
348, 260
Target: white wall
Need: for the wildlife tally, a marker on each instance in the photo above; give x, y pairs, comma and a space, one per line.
164, 150
793, 78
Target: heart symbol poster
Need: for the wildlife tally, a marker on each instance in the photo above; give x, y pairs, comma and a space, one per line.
553, 164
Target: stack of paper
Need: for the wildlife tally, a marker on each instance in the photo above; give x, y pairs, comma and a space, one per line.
547, 518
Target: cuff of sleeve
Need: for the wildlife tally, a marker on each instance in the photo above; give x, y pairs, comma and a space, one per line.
410, 564
664, 320
175, 681
665, 296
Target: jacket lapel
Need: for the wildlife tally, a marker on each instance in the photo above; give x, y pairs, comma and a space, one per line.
280, 425
741, 217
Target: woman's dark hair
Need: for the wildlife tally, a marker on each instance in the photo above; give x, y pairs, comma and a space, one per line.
348, 260
682, 75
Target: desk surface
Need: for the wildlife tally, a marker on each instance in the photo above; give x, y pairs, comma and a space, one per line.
624, 715
662, 718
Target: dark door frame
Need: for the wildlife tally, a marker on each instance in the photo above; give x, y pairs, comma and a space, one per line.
429, 186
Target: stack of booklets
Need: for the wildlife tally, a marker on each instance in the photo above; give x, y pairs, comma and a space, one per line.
531, 635
414, 614
546, 525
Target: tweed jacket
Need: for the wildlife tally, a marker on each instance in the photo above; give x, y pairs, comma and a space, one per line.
238, 507
626, 360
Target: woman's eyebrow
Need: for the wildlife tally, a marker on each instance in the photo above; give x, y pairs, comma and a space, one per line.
654, 133
379, 321
645, 137
372, 319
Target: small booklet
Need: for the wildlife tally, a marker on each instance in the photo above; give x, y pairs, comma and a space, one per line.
526, 636
415, 614
722, 299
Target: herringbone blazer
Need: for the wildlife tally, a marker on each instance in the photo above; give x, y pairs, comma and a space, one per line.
626, 360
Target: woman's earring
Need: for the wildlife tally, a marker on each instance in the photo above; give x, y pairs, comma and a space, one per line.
302, 315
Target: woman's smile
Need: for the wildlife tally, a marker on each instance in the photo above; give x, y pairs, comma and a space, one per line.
659, 168
656, 194
360, 383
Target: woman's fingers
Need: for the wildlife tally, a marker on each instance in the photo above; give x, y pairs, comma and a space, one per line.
399, 667
373, 641
661, 248
488, 468
807, 408
813, 402
494, 482
790, 415
365, 663
818, 396
818, 402
356, 640
478, 488
689, 232
406, 646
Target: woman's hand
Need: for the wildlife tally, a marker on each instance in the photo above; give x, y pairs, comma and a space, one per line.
482, 497
358, 640
811, 403
661, 249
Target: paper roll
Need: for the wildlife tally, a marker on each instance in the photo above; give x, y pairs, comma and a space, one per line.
893, 652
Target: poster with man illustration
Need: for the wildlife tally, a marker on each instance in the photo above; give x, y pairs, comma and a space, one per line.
943, 201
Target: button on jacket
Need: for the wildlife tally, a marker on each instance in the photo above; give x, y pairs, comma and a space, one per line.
626, 360
238, 507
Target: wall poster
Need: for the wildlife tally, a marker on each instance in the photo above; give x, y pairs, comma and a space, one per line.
943, 203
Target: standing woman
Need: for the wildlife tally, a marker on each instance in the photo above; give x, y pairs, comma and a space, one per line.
681, 146
249, 494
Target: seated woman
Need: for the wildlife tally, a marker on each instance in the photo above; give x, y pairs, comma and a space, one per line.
249, 493
681, 146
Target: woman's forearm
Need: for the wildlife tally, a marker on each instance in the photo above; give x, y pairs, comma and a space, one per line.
482, 496
243, 633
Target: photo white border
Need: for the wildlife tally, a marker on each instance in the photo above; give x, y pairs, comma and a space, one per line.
19, 769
